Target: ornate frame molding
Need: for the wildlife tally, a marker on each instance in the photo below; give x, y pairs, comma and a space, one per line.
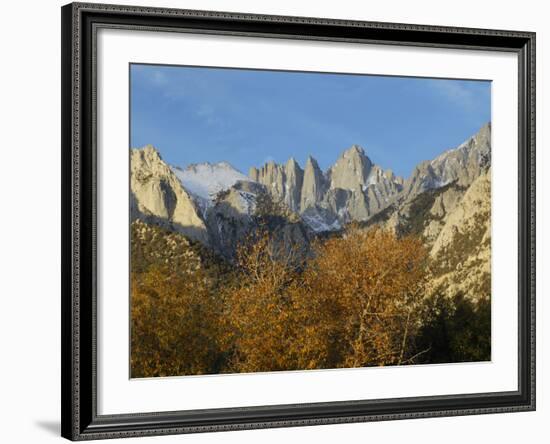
80, 22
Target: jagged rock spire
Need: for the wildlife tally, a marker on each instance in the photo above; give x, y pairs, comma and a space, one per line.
352, 169
313, 186
294, 178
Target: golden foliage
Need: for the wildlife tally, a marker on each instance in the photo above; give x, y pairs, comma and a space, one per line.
174, 324
260, 312
357, 300
360, 300
356, 303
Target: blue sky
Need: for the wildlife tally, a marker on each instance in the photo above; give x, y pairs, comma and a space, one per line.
247, 117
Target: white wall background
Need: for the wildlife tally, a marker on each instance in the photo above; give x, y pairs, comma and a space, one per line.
30, 220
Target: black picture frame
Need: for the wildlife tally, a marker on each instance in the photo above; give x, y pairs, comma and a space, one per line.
80, 22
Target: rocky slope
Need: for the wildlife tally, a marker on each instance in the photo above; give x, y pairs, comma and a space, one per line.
218, 206
461, 252
455, 223
213, 204
461, 165
157, 196
355, 189
352, 189
154, 245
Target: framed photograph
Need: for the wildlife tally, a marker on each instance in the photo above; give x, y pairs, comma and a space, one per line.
281, 221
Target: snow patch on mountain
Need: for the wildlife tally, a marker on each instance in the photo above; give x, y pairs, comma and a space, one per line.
320, 219
206, 180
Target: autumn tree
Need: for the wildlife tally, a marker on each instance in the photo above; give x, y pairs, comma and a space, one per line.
359, 301
174, 323
259, 310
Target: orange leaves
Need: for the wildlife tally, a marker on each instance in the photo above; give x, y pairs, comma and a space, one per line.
379, 288
173, 326
356, 301
351, 306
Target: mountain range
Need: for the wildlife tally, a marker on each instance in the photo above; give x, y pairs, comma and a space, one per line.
217, 205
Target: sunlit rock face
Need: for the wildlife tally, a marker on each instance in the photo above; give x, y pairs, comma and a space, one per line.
157, 196
461, 165
352, 189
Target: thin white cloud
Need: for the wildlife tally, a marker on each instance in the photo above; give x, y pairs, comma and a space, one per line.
457, 93
205, 111
163, 83
209, 115
157, 77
